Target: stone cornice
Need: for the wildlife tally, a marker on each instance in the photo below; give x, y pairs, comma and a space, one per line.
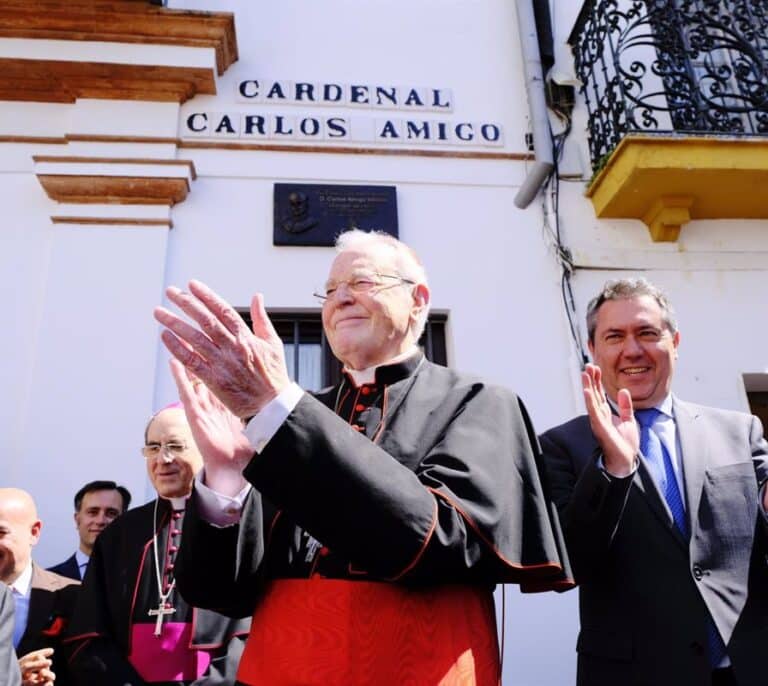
121, 21
64, 81
78, 182
52, 73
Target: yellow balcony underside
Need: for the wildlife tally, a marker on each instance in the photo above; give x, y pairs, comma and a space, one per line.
667, 181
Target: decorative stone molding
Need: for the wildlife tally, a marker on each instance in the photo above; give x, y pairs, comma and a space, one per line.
111, 221
123, 190
139, 74
64, 81
105, 182
667, 215
121, 21
54, 51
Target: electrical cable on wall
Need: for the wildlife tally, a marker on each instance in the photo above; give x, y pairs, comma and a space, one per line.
551, 211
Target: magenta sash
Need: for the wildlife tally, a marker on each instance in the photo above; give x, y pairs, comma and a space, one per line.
167, 657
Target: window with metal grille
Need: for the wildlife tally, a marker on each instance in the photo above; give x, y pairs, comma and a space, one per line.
308, 356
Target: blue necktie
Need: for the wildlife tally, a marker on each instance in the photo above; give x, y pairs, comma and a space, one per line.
660, 465
21, 605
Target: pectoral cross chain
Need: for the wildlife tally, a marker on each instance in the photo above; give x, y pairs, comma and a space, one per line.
162, 609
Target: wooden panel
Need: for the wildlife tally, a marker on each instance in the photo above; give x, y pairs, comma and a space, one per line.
65, 81
122, 21
122, 190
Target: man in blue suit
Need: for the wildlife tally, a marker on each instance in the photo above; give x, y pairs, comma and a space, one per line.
663, 508
96, 505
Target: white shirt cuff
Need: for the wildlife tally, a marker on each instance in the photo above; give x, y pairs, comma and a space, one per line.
217, 509
265, 424
223, 510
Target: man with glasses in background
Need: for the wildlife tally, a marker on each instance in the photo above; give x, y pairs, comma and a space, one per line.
364, 527
131, 625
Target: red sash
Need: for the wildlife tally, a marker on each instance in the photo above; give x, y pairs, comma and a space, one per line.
329, 632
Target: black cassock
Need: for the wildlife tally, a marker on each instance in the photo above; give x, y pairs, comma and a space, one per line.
423, 479
111, 624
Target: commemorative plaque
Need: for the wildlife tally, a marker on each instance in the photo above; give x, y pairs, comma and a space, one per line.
314, 214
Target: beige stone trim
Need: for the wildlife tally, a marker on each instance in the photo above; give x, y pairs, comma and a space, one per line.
122, 190
121, 21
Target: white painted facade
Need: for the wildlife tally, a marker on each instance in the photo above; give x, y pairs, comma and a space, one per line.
81, 364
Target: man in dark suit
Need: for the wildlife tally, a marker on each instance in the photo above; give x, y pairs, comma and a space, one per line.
96, 505
663, 505
43, 600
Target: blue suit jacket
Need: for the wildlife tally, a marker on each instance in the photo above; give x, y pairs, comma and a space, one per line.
69, 568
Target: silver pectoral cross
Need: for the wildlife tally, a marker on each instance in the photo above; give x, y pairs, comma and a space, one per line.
313, 545
160, 612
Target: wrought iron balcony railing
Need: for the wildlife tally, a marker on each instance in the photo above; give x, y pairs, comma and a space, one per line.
662, 66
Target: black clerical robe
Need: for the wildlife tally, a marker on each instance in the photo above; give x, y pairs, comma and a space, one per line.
423, 480
112, 619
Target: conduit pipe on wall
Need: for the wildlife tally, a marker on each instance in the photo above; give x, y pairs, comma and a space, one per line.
534, 86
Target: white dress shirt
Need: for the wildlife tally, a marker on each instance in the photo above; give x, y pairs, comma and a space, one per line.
82, 562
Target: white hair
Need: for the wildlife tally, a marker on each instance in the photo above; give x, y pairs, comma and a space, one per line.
409, 265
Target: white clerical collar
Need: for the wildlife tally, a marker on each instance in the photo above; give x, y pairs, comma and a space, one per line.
82, 558
22, 584
368, 375
178, 503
